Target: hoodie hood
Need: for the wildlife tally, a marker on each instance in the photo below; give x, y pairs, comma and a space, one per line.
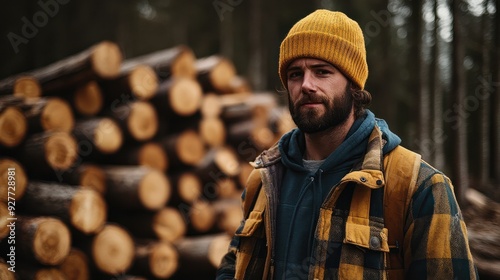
351, 150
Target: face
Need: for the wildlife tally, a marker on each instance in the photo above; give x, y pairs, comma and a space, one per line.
319, 95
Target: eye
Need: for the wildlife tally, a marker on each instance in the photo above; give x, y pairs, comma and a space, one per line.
294, 74
323, 72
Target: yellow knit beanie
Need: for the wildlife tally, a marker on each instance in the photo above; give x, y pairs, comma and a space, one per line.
329, 36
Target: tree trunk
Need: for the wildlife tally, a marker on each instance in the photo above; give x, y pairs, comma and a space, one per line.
219, 163
178, 97
256, 68
44, 239
150, 154
48, 114
81, 207
158, 260
136, 187
459, 126
203, 252
215, 74
98, 136
99, 61
484, 122
136, 82
88, 175
166, 224
173, 62
496, 102
75, 266
185, 149
21, 85
88, 99
48, 153
138, 120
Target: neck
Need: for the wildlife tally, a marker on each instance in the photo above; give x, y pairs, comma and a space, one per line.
320, 145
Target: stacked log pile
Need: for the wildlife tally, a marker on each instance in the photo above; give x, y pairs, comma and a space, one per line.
127, 168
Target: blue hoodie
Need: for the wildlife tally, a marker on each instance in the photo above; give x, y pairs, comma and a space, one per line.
303, 191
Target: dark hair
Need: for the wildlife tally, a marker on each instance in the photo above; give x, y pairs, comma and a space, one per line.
361, 98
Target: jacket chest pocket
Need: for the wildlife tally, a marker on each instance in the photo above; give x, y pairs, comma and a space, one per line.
250, 255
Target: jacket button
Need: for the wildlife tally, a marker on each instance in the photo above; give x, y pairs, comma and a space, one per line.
362, 179
374, 242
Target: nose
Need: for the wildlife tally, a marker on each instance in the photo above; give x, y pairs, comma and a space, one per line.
308, 83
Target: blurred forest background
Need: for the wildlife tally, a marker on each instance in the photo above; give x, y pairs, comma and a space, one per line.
434, 64
434, 69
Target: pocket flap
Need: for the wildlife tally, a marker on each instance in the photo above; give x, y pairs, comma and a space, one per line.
372, 238
251, 224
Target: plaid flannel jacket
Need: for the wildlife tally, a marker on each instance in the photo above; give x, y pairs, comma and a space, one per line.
392, 217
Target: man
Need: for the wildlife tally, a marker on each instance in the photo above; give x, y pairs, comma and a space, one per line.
339, 198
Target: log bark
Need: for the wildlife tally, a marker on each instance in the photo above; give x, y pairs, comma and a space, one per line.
88, 99
203, 252
21, 85
215, 73
138, 82
48, 153
173, 62
212, 131
88, 175
82, 208
138, 120
99, 61
259, 136
166, 224
219, 163
75, 266
48, 114
44, 239
185, 149
13, 123
158, 260
112, 250
98, 136
14, 180
150, 154
137, 187
178, 97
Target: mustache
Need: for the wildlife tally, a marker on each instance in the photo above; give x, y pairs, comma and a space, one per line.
308, 99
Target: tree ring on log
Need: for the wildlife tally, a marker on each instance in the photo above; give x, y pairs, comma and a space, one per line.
61, 150
88, 99
106, 60
57, 115
153, 155
169, 225
154, 190
142, 122
88, 211
108, 136
13, 125
164, 260
27, 86
144, 82
51, 242
185, 96
113, 250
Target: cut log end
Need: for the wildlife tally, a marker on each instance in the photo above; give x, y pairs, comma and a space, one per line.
189, 187
154, 190
113, 250
217, 249
190, 148
163, 260
13, 125
185, 96
222, 75
88, 211
10, 167
88, 99
4, 215
5, 274
106, 60
57, 115
211, 105
245, 170
49, 273
75, 266
52, 241
93, 177
212, 131
169, 224
27, 87
142, 122
61, 151
108, 137
153, 155
183, 65
143, 82
202, 216
227, 161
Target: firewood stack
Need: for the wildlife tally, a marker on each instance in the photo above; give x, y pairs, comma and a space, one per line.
127, 168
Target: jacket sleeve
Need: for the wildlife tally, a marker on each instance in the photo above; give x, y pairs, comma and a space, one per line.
436, 245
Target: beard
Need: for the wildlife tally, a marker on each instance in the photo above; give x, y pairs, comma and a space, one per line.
337, 110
